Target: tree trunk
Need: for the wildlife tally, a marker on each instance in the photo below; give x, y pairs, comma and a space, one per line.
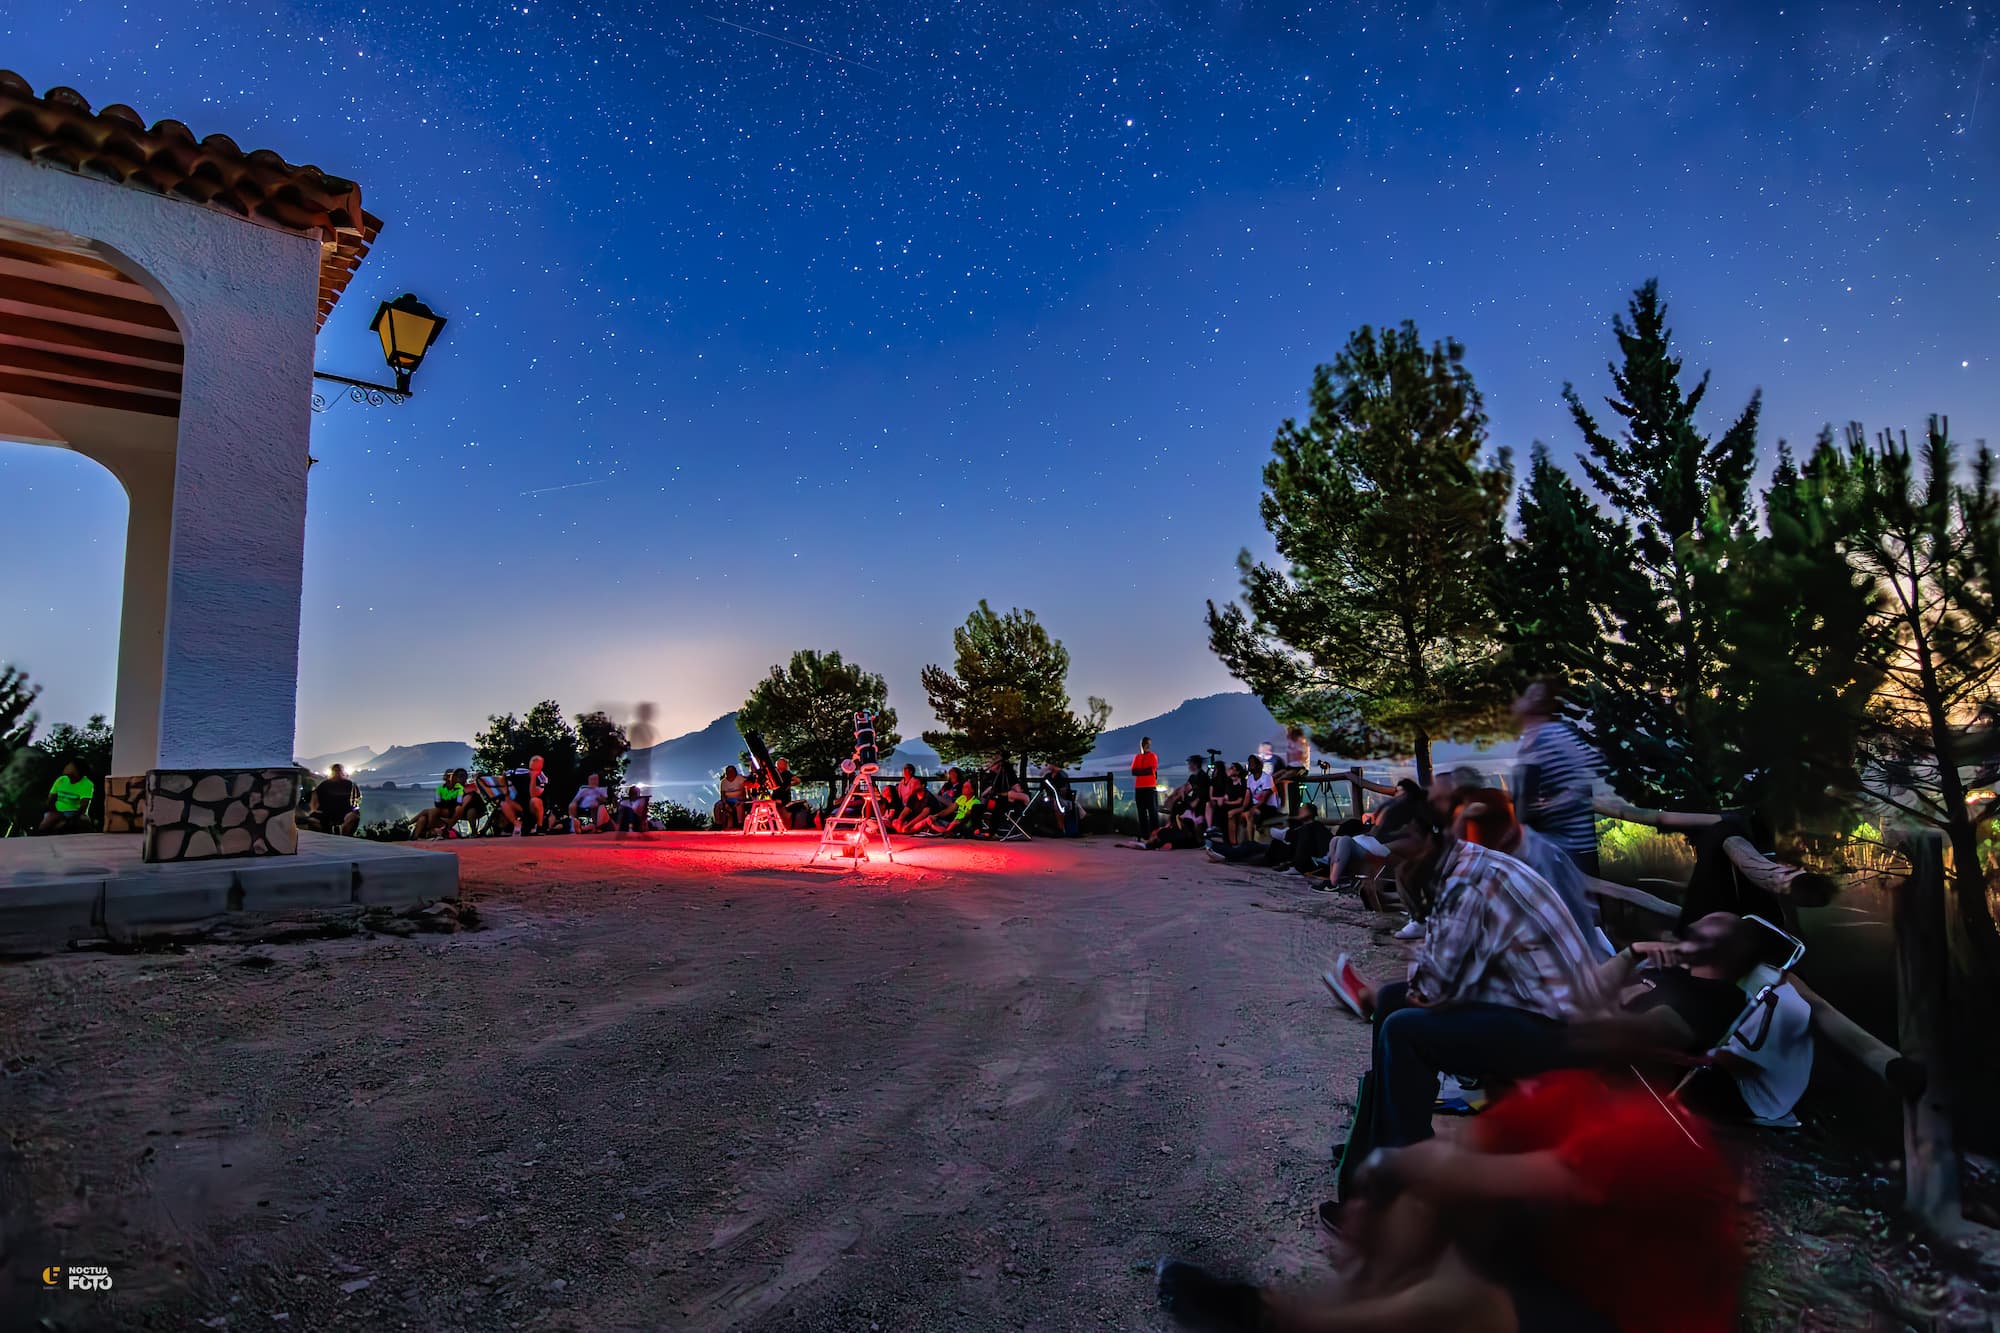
1423, 757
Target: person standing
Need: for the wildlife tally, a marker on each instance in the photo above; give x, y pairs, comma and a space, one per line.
1556, 776
1146, 786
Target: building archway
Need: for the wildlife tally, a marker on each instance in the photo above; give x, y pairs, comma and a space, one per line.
90, 361
159, 299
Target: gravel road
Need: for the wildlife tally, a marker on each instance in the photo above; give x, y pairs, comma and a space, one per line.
682, 1082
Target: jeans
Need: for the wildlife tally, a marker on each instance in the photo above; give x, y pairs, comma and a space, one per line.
1148, 801
1413, 1045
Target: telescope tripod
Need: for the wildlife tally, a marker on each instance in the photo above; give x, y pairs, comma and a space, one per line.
846, 829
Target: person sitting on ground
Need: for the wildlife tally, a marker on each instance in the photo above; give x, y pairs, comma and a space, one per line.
437, 819
590, 811
1228, 794
960, 819
918, 804
1299, 844
1581, 1204
336, 804
729, 799
70, 795
632, 812
1187, 806
1486, 816
908, 786
526, 788
1556, 775
1498, 974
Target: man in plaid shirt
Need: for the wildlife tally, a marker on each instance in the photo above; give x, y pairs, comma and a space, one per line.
1503, 966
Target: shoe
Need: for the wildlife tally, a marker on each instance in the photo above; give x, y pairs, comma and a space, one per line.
1329, 1216
1411, 930
1346, 985
1215, 856
517, 830
1198, 1299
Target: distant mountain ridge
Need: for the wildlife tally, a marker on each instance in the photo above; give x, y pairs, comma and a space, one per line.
700, 755
1234, 723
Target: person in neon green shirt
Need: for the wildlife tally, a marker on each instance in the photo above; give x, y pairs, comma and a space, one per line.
438, 819
69, 801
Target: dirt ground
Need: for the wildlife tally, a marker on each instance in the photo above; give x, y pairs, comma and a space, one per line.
683, 1082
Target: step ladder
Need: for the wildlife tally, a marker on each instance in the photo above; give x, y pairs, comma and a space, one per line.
846, 829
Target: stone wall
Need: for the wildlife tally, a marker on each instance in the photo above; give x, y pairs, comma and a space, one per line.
200, 813
125, 804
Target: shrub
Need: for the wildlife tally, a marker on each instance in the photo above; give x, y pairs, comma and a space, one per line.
675, 816
385, 830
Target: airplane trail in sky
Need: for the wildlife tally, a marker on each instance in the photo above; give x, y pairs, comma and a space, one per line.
570, 486
803, 46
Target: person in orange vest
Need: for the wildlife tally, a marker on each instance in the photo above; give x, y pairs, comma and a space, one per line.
1146, 786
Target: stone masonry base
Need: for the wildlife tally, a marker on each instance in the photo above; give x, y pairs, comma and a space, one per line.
200, 813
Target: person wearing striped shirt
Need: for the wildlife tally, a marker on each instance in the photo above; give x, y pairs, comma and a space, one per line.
1556, 776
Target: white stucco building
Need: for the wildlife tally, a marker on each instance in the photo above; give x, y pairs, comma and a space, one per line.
159, 298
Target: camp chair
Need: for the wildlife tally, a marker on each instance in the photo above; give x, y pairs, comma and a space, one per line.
493, 790
1760, 987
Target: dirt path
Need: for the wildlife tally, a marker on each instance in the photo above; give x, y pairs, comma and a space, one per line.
686, 1084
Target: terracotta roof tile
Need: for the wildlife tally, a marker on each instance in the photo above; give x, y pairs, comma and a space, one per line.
59, 129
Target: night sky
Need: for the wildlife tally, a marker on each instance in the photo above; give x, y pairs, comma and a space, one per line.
807, 324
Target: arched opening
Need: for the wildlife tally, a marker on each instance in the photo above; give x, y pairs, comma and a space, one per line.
90, 361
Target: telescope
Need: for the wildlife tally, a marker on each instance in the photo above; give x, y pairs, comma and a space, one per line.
864, 742
760, 760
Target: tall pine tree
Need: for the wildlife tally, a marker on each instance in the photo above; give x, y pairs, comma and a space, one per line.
1378, 631
1654, 708
1560, 581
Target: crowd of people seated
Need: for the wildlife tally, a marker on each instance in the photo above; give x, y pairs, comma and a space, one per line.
1589, 1192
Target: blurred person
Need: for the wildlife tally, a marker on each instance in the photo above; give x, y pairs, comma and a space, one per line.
1580, 1204
1146, 786
1556, 775
1486, 816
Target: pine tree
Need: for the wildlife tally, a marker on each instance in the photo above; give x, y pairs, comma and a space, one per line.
1559, 584
1378, 632
805, 712
1008, 694
1797, 669
1684, 496
1931, 544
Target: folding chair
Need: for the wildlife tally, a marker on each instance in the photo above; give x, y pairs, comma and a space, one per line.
1753, 1026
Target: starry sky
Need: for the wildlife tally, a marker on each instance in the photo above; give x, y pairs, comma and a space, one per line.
808, 323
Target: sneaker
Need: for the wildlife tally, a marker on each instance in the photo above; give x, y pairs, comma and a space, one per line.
517, 830
1346, 985
1411, 930
1215, 856
1197, 1298
1329, 1216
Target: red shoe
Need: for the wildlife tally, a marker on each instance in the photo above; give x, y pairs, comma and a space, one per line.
1346, 985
